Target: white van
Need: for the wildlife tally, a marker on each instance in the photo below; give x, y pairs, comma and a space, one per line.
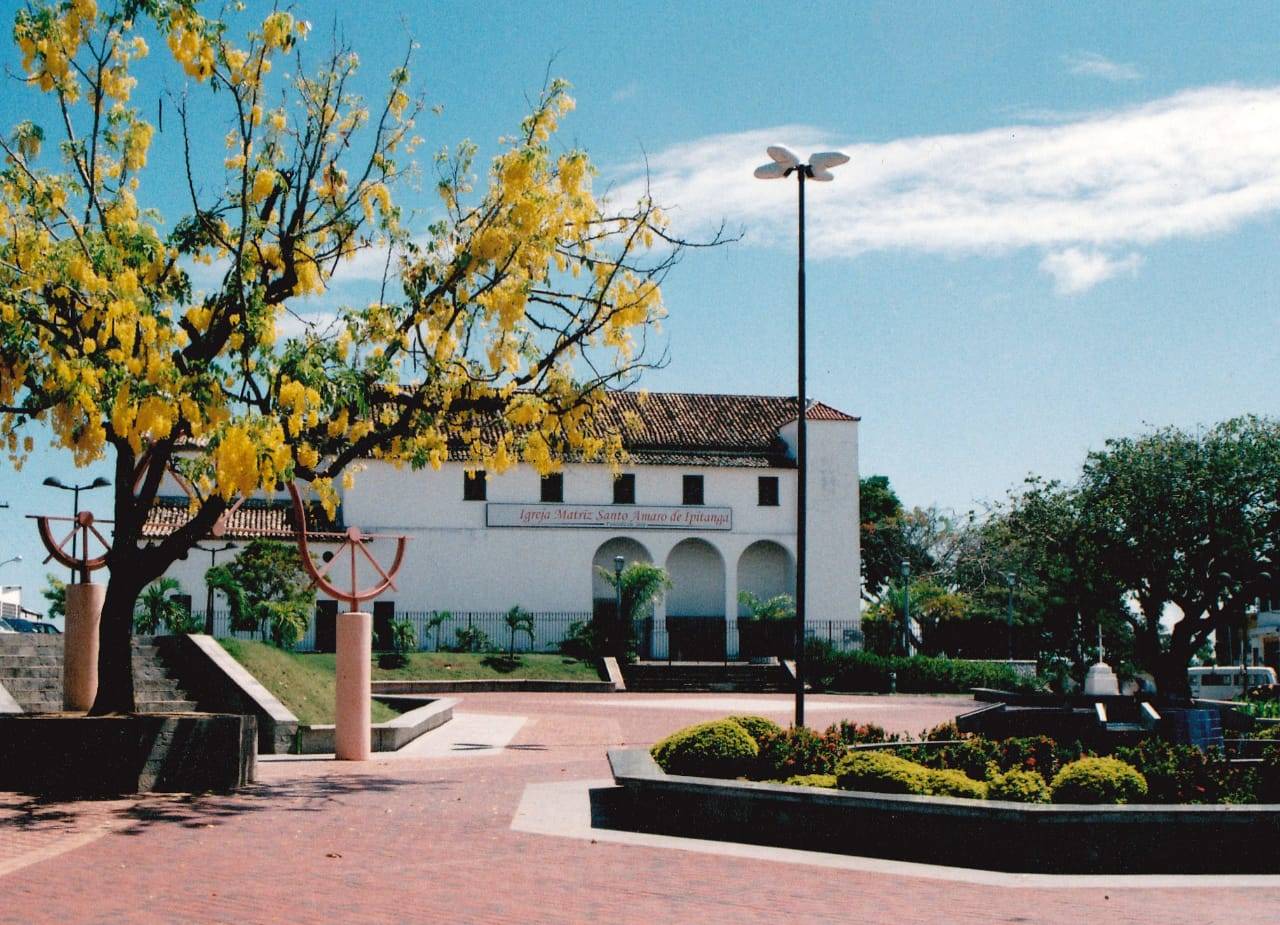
1222, 682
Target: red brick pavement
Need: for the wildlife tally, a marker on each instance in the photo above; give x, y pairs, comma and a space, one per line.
429, 840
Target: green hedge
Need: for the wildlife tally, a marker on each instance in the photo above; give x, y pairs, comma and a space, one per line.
720, 748
829, 668
812, 780
881, 772
1098, 780
1017, 786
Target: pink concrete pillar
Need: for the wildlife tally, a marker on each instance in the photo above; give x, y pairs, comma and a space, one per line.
352, 694
80, 645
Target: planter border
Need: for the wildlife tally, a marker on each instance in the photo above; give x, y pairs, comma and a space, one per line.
318, 739
991, 835
489, 685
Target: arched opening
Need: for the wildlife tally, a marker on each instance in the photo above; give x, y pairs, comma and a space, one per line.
604, 607
765, 569
695, 603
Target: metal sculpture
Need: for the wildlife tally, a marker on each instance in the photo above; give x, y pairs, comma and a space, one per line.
353, 543
80, 560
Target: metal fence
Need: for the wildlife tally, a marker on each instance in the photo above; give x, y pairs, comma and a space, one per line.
550, 628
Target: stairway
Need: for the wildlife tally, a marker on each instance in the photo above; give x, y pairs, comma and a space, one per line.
690, 677
31, 670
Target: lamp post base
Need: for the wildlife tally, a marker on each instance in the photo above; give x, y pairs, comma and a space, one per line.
80, 645
352, 737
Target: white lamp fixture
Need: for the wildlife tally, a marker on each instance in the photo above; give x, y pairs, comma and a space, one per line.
783, 163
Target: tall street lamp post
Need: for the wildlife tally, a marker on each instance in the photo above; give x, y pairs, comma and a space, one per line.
213, 560
783, 163
54, 482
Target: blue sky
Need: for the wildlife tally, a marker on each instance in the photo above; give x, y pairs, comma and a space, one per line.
1059, 223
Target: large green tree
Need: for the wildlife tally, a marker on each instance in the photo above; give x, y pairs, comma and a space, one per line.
1184, 520
505, 318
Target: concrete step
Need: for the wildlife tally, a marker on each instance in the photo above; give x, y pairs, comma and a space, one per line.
44, 658
30, 671
166, 706
30, 640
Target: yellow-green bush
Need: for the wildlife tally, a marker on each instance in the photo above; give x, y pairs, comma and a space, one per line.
1018, 786
812, 780
954, 784
720, 748
881, 772
757, 726
1098, 780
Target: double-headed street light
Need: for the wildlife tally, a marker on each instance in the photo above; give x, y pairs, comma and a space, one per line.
783, 163
54, 482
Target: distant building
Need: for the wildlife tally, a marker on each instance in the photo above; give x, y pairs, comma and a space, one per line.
709, 494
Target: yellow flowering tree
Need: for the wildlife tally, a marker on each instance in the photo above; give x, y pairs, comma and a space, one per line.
497, 331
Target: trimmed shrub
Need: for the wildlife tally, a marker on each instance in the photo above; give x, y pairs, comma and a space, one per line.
829, 668
757, 726
881, 772
955, 784
720, 748
1098, 780
812, 780
861, 733
799, 751
1017, 786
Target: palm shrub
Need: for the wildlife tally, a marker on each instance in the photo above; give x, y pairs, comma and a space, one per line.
404, 639
720, 748
267, 590
435, 620
1098, 780
156, 607
518, 620
641, 584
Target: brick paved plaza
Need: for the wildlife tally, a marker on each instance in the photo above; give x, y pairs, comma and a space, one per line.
429, 837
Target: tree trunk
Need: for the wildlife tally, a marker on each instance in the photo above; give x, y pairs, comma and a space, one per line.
1170, 672
115, 650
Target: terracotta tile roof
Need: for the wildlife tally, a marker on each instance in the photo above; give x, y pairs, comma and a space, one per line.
683, 428
254, 519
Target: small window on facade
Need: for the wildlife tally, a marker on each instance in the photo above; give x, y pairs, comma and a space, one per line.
768, 491
473, 486
624, 488
693, 489
553, 487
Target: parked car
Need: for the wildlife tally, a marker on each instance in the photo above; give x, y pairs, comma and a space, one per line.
20, 625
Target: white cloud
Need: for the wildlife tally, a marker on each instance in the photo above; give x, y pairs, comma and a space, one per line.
1092, 64
625, 92
1074, 270
1197, 163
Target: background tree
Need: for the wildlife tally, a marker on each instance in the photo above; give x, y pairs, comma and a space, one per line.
55, 594
880, 533
268, 590
505, 320
1190, 520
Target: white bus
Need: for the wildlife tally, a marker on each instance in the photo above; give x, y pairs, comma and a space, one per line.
1223, 682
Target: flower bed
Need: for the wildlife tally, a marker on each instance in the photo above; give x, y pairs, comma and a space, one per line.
1028, 804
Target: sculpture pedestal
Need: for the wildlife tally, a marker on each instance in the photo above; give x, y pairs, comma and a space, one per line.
352, 691
1101, 681
80, 645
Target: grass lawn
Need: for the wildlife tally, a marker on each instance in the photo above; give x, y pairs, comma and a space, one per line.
470, 666
303, 683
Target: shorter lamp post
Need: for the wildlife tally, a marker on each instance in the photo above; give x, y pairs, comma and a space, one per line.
1011, 579
14, 559
54, 482
621, 630
906, 607
213, 560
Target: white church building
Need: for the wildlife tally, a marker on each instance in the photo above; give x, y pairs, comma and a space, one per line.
708, 493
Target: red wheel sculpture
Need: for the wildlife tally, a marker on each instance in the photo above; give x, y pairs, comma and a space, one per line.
353, 543
81, 561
